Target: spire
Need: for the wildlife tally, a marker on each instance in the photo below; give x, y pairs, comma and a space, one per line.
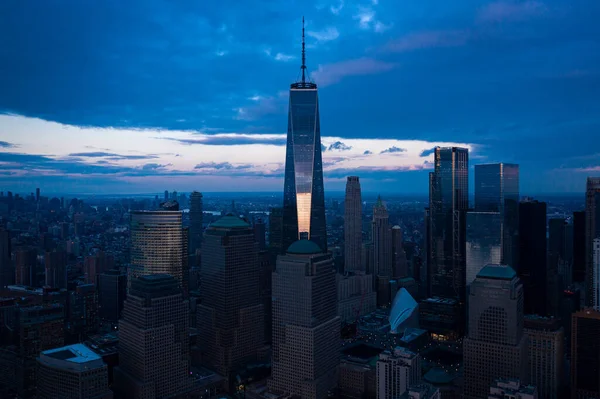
379, 201
303, 53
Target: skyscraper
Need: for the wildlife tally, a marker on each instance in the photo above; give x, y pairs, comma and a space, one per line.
448, 203
484, 242
397, 370
596, 272
533, 269
353, 226
259, 233
231, 316
303, 194
195, 222
157, 243
399, 261
497, 190
6, 271
579, 243
496, 346
56, 269
275, 232
306, 327
382, 241
153, 340
112, 289
25, 266
585, 354
592, 230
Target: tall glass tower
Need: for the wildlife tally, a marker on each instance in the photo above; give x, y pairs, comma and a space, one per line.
303, 193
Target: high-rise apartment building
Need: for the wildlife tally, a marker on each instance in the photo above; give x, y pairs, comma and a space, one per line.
73, 372
353, 226
495, 346
497, 190
448, 204
195, 222
25, 266
533, 267
396, 371
306, 328
7, 273
546, 355
95, 264
231, 316
153, 340
56, 269
382, 241
303, 194
585, 354
579, 243
112, 290
157, 243
399, 261
484, 242
592, 231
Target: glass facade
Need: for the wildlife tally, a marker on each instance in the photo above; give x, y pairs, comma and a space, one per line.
484, 242
497, 190
592, 231
304, 201
448, 203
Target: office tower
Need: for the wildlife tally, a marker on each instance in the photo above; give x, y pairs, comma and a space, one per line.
259, 234
484, 242
276, 231
6, 271
38, 328
185, 261
196, 229
495, 346
37, 195
399, 262
56, 269
585, 354
353, 226
497, 190
533, 269
559, 262
512, 389
231, 315
166, 196
448, 203
153, 340
72, 372
382, 241
596, 273
546, 352
355, 296
306, 328
367, 258
396, 371
592, 231
25, 266
579, 246
265, 290
442, 317
303, 194
112, 290
95, 264
82, 315
157, 243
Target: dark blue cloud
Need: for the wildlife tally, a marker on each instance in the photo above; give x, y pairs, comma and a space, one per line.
367, 152
221, 166
6, 144
393, 150
339, 146
229, 140
426, 153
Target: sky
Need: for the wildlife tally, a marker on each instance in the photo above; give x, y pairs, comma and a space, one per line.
141, 96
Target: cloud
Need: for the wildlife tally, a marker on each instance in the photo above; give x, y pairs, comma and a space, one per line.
393, 150
427, 152
221, 166
510, 11
380, 27
110, 156
336, 8
6, 144
283, 57
262, 106
333, 73
365, 17
325, 35
428, 39
231, 139
339, 146
367, 152
155, 166
97, 154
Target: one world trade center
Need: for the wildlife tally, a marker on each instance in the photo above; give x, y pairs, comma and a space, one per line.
303, 194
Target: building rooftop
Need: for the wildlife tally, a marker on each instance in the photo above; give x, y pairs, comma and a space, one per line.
304, 247
497, 272
77, 353
230, 221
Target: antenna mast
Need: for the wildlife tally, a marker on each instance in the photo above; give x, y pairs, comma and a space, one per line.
303, 53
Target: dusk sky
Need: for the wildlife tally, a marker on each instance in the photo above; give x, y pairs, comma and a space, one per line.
140, 96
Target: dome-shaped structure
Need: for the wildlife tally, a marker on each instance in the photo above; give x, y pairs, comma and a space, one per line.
304, 247
230, 221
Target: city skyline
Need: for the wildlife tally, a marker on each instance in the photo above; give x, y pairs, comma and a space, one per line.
109, 127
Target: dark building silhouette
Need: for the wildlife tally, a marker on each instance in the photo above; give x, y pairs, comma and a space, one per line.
195, 222
532, 256
259, 233
448, 203
592, 231
25, 266
56, 269
585, 354
560, 261
276, 231
303, 193
112, 290
579, 246
353, 226
96, 264
7, 273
